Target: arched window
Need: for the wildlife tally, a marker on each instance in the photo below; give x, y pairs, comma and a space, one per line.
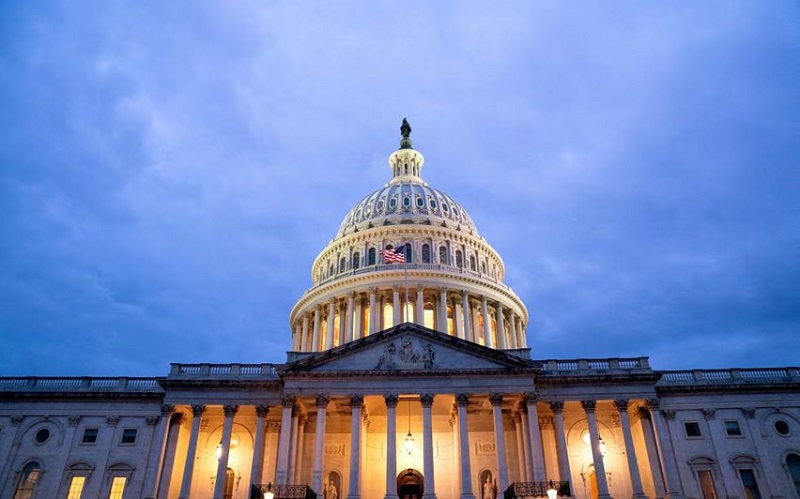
459, 259
493, 326
356, 260
483, 267
426, 253
371, 256
479, 329
428, 316
365, 317
337, 326
331, 271
793, 463
230, 478
407, 253
451, 323
443, 255
27, 480
472, 264
342, 264
388, 316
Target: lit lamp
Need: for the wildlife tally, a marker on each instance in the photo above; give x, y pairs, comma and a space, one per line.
552, 493
409, 439
269, 494
602, 447
218, 452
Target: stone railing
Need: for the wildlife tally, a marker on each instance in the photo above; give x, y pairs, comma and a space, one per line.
282, 491
518, 490
716, 376
79, 384
593, 366
216, 371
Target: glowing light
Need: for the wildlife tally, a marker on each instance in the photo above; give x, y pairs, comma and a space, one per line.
552, 493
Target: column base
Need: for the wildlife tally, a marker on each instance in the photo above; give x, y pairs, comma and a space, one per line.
604, 496
391, 496
466, 496
429, 496
640, 496
673, 495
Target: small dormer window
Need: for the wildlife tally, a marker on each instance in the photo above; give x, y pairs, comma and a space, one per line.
393, 203
432, 203
407, 202
420, 203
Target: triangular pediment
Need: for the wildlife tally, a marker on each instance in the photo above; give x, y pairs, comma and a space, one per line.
409, 348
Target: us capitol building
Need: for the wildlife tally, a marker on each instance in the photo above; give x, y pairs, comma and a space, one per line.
408, 379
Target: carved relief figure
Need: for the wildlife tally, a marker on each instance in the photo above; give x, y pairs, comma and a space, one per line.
330, 489
407, 353
387, 360
488, 489
429, 356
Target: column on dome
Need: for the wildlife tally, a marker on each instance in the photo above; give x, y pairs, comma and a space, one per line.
523, 342
296, 337
564, 473
188, 469
476, 334
281, 476
319, 442
257, 467
331, 323
630, 451
396, 317
304, 341
391, 446
317, 320
225, 445
348, 322
441, 325
373, 309
487, 324
419, 310
458, 319
462, 400
512, 326
499, 439
427, 441
466, 310
356, 401
501, 328
597, 457
358, 319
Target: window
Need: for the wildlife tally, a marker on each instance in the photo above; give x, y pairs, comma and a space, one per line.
388, 316
27, 480
407, 253
420, 202
371, 256
342, 264
443, 255
356, 260
732, 429
459, 259
117, 487
89, 436
76, 487
406, 202
129, 436
692, 429
393, 203
428, 316
483, 267
793, 463
426, 253
432, 203
749, 483
472, 264
42, 436
782, 427
706, 484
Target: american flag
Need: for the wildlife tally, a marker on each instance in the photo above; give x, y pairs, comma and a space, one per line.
391, 255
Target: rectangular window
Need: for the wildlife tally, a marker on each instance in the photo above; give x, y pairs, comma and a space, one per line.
692, 429
732, 428
706, 484
749, 484
117, 487
129, 436
76, 487
89, 436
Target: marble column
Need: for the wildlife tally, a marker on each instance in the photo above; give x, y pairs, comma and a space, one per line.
467, 311
419, 310
512, 325
561, 441
188, 469
521, 457
521, 333
319, 443
537, 454
487, 324
391, 446
299, 456
317, 325
396, 308
329, 331
458, 319
304, 340
257, 468
358, 320
671, 478
354, 492
348, 320
597, 456
281, 476
157, 458
169, 457
462, 400
651, 446
499, 440
222, 463
630, 450
427, 455
373, 310
442, 320
501, 327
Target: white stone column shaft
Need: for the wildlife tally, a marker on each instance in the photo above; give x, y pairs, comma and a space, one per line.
317, 325
329, 331
358, 320
188, 469
354, 492
165, 478
462, 401
281, 476
561, 441
537, 454
257, 467
348, 323
630, 451
466, 310
671, 478
373, 311
500, 441
523, 471
501, 327
597, 457
222, 462
391, 446
319, 444
304, 340
157, 458
442, 326
396, 309
487, 324
427, 454
419, 310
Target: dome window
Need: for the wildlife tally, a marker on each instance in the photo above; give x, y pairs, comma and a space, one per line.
459, 259
381, 205
420, 202
426, 253
407, 202
342, 264
432, 203
371, 256
393, 203
445, 208
443, 255
356, 260
472, 264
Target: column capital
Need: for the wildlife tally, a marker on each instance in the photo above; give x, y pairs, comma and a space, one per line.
653, 403
643, 413
462, 400
288, 401
177, 418
373, 289
230, 410
352, 294
167, 409
496, 399
322, 400
262, 410
356, 401
709, 413
516, 417
589, 405
668, 413
530, 397
198, 410
396, 288
426, 400
557, 406
148, 420
621, 404
74, 420
749, 412
391, 400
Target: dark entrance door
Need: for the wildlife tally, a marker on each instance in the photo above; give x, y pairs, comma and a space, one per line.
410, 484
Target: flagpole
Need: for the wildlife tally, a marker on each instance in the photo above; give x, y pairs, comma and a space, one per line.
405, 264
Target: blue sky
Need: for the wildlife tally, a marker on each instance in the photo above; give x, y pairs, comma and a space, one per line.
169, 170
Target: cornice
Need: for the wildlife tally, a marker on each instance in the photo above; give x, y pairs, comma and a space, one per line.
588, 378
523, 373
762, 388
211, 384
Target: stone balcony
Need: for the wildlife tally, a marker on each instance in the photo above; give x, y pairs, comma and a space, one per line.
595, 366
730, 376
83, 384
222, 371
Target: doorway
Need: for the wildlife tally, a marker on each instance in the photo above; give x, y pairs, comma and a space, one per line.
410, 484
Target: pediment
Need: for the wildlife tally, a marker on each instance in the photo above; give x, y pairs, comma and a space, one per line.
409, 348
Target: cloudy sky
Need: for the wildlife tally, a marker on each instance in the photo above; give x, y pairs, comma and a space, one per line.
169, 170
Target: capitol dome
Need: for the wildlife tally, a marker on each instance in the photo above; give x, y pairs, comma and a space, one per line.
449, 278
